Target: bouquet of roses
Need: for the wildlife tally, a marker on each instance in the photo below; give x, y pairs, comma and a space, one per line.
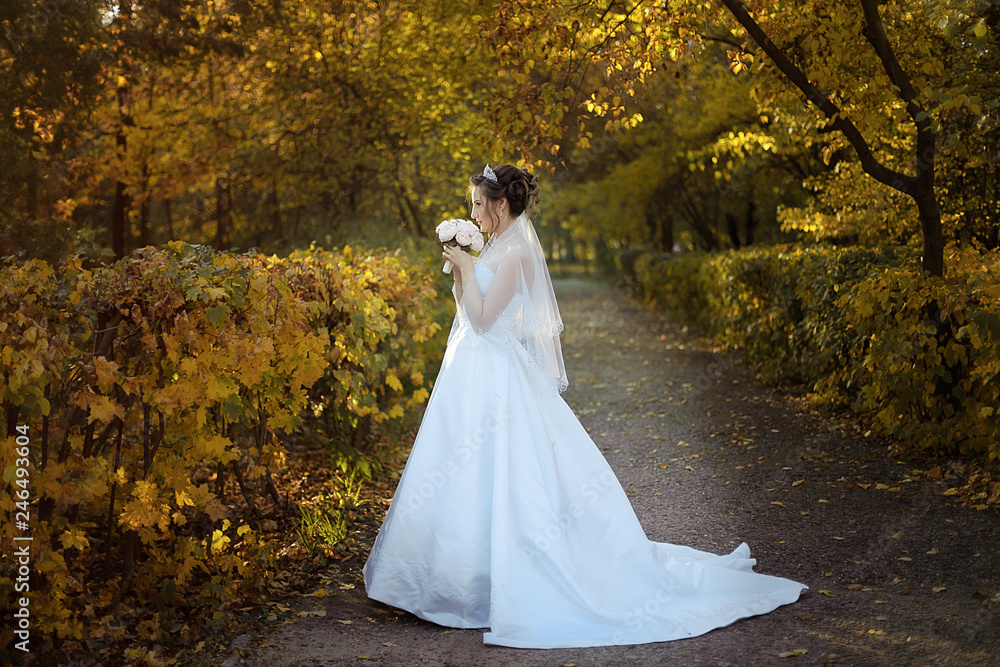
463, 233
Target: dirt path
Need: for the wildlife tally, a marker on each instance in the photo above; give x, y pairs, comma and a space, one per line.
897, 573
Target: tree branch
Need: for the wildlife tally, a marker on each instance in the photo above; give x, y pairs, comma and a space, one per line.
875, 34
871, 166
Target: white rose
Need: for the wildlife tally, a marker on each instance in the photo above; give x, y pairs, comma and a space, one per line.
468, 226
446, 230
464, 237
477, 242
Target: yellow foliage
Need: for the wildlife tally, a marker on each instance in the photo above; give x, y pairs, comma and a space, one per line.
162, 371
864, 327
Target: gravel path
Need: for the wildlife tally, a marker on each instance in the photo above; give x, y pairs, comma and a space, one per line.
897, 573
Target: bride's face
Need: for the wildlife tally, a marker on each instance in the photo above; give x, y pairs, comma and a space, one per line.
484, 213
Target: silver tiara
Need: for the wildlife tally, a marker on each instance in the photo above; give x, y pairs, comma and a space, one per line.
489, 174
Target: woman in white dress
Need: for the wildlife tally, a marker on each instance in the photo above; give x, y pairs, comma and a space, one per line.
507, 516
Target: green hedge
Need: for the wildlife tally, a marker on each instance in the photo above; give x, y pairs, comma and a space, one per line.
862, 327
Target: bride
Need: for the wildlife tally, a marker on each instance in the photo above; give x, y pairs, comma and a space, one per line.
507, 516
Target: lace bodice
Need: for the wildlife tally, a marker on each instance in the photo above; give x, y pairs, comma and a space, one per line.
506, 320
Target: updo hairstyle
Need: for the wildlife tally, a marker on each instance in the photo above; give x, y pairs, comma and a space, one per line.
519, 187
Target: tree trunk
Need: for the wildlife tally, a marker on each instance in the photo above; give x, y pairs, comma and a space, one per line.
168, 215
221, 212
920, 186
122, 202
732, 230
144, 239
667, 232
930, 224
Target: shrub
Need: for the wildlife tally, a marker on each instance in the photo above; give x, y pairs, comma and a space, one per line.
862, 327
145, 386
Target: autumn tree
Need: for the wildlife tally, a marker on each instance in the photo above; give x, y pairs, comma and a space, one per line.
890, 124
49, 77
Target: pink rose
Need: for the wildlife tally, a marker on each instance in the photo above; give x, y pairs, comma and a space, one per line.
464, 237
468, 226
446, 230
477, 242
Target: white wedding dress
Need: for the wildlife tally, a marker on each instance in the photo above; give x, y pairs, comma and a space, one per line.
508, 517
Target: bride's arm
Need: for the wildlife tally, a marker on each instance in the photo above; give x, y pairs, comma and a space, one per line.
458, 288
484, 311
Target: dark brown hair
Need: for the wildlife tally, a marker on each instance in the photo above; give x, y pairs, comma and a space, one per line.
518, 186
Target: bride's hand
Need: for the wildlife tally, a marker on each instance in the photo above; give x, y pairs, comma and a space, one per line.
461, 259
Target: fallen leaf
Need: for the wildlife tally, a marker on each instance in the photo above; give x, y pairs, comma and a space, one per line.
797, 482
345, 622
823, 500
938, 589
828, 594
906, 559
897, 535
855, 587
881, 602
932, 552
864, 486
881, 618
778, 503
664, 466
790, 654
837, 538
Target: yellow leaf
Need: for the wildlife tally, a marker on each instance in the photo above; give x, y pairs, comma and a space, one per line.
213, 447
393, 381
795, 652
219, 540
102, 408
73, 538
106, 372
